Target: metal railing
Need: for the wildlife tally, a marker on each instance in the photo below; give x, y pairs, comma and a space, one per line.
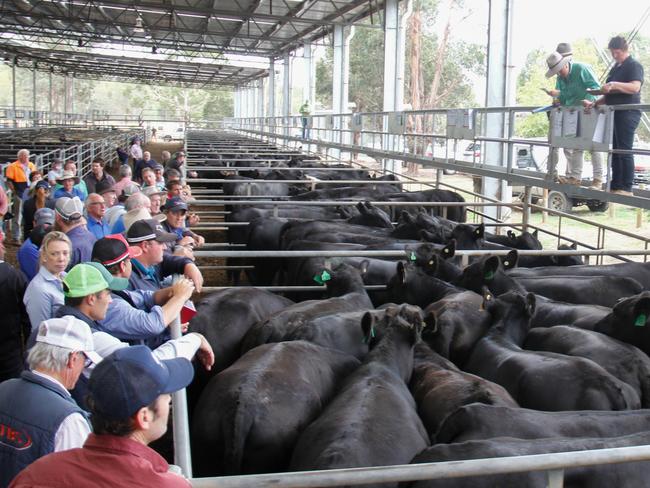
553, 463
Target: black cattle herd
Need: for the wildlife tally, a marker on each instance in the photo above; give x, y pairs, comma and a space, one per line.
511, 355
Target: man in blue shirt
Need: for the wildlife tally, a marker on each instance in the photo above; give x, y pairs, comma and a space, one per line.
28, 253
153, 265
137, 315
69, 218
68, 181
95, 210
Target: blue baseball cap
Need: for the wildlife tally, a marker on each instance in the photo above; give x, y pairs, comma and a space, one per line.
132, 378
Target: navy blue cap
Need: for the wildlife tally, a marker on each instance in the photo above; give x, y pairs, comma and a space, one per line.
132, 378
175, 203
42, 184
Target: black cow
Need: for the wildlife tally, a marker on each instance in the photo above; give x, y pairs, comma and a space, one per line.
628, 321
551, 312
367, 214
624, 361
372, 421
637, 271
480, 421
624, 475
344, 285
592, 290
439, 388
250, 415
541, 380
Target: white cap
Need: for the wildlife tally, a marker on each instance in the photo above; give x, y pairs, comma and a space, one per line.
69, 208
70, 333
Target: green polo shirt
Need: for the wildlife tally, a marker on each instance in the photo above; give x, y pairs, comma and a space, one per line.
572, 88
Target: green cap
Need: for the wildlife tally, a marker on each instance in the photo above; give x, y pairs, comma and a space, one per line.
88, 278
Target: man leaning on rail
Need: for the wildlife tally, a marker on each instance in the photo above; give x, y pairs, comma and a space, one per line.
129, 397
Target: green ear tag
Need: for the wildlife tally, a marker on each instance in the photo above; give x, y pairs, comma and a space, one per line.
640, 320
322, 277
366, 339
489, 275
413, 257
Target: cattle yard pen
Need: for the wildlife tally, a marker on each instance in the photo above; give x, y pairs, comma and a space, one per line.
211, 201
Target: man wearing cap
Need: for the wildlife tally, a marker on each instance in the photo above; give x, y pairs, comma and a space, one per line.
573, 79
176, 210
108, 193
96, 175
129, 401
37, 413
95, 210
70, 220
153, 265
137, 315
39, 200
87, 291
17, 175
15, 321
68, 180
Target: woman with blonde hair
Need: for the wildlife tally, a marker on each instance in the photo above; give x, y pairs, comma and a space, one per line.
44, 295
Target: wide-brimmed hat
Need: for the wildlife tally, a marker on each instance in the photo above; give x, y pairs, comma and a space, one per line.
104, 186
67, 175
564, 48
134, 215
555, 63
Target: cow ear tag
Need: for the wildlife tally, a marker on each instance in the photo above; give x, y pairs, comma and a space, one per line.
640, 320
366, 339
413, 257
489, 275
322, 277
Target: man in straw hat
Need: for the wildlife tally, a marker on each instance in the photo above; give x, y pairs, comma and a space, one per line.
573, 80
68, 180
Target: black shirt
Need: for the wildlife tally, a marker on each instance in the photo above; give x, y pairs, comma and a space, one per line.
628, 70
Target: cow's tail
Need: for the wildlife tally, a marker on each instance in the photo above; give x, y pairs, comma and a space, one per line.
236, 435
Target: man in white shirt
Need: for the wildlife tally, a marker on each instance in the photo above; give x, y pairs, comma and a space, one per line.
38, 414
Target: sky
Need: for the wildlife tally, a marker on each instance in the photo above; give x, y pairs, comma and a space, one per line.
545, 23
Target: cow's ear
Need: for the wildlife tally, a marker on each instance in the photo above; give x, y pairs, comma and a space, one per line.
426, 236
488, 298
401, 272
511, 234
363, 266
406, 217
368, 327
530, 304
510, 260
368, 205
574, 246
536, 234
490, 267
449, 250
641, 310
479, 232
432, 264
430, 325
360, 207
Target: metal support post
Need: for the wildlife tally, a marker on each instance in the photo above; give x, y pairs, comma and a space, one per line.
181, 426
35, 118
391, 28
51, 95
260, 98
340, 72
309, 89
72, 95
556, 478
498, 94
65, 98
13, 89
271, 112
526, 201
286, 93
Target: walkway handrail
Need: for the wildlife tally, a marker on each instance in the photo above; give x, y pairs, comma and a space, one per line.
554, 463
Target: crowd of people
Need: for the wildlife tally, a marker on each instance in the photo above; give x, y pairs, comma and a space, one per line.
87, 363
